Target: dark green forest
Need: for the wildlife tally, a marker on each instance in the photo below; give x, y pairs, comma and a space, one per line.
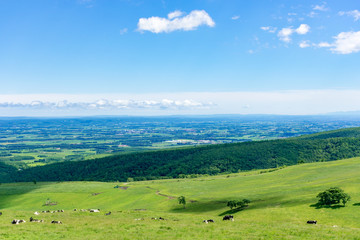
190, 161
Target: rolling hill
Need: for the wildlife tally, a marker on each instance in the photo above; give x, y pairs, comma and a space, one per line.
281, 203
191, 161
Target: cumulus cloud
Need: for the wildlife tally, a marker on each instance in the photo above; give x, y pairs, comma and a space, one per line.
345, 43
176, 21
285, 33
302, 29
105, 104
355, 14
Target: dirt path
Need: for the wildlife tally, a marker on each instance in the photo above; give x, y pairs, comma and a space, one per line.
160, 194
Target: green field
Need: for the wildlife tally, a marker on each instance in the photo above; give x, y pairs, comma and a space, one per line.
281, 205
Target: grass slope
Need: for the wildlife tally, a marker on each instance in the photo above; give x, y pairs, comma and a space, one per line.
281, 205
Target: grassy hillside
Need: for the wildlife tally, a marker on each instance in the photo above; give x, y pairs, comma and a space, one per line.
211, 159
281, 205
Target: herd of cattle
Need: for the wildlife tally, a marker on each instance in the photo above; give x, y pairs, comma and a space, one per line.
18, 221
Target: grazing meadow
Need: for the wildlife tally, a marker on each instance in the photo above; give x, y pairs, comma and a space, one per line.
282, 201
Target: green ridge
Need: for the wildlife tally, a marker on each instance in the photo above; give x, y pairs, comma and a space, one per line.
211, 159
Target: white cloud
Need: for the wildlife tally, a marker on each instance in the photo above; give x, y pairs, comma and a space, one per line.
347, 42
285, 33
355, 14
304, 44
269, 29
176, 21
235, 17
321, 7
303, 29
123, 31
295, 102
312, 14
175, 14
106, 104
323, 45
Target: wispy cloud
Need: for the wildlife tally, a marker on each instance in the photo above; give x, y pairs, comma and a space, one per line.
176, 21
123, 31
323, 45
322, 7
304, 44
87, 3
235, 17
269, 29
175, 14
355, 14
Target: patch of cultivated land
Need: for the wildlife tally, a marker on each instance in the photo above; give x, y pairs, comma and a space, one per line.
281, 205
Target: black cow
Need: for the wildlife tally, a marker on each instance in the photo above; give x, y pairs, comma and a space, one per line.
108, 213
311, 222
208, 221
16, 221
56, 222
35, 220
0, 213
228, 217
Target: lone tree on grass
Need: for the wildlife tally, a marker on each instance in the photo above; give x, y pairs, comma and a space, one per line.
182, 200
333, 195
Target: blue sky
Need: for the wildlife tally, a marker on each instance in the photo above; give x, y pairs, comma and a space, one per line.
156, 57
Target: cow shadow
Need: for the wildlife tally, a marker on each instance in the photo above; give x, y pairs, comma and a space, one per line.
320, 206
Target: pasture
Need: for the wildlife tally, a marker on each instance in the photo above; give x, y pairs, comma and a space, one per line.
280, 206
